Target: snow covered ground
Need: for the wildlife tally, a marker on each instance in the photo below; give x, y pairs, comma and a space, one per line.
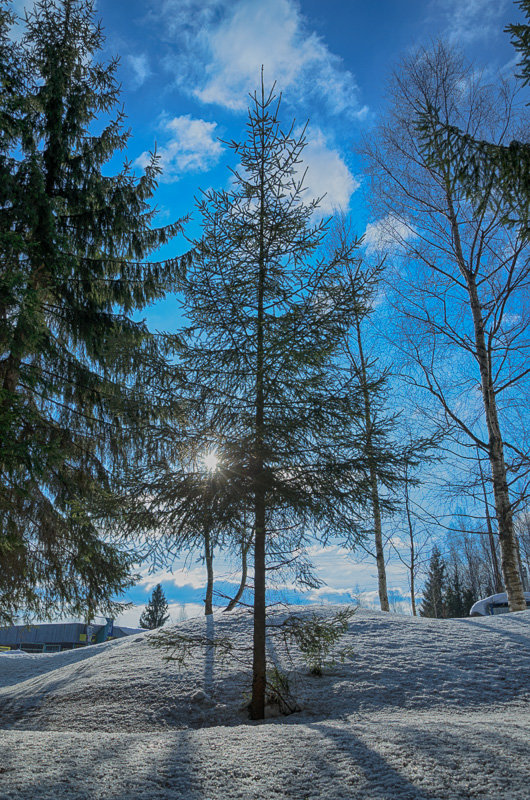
423, 710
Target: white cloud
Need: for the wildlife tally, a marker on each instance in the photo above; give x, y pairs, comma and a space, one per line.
190, 146
472, 20
387, 234
185, 19
345, 578
140, 69
194, 578
328, 175
221, 53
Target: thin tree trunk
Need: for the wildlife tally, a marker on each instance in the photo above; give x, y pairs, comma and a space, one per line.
208, 556
503, 508
412, 550
376, 505
244, 573
259, 666
497, 580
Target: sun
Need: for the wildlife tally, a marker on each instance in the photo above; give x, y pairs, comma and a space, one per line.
211, 461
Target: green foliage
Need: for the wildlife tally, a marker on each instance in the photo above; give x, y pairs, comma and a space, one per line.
458, 597
154, 615
447, 593
433, 603
268, 311
494, 175
520, 39
316, 638
79, 378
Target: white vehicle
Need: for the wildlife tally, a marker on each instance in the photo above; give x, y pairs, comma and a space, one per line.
494, 604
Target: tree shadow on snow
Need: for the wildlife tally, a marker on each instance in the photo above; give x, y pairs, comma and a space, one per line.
209, 657
521, 638
128, 767
382, 780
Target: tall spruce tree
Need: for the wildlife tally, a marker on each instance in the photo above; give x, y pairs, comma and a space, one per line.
76, 372
155, 613
266, 383
268, 315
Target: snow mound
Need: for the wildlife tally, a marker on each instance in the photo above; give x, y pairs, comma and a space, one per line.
396, 662
423, 710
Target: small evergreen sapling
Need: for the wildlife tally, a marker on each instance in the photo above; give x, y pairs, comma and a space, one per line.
317, 636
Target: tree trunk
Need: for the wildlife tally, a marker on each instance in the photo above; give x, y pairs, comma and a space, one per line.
208, 556
522, 571
374, 490
244, 572
412, 551
503, 508
497, 580
259, 665
378, 536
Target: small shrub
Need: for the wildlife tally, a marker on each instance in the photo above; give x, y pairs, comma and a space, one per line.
317, 636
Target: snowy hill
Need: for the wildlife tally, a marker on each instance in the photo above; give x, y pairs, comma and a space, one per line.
423, 710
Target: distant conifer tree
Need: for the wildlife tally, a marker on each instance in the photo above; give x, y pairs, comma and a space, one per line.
458, 597
433, 603
155, 613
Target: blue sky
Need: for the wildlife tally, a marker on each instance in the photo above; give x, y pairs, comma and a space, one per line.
186, 69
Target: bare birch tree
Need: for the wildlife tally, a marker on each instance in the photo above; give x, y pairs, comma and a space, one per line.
462, 281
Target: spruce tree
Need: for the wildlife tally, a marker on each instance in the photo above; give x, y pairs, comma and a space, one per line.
155, 613
75, 370
456, 596
268, 312
433, 603
266, 386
